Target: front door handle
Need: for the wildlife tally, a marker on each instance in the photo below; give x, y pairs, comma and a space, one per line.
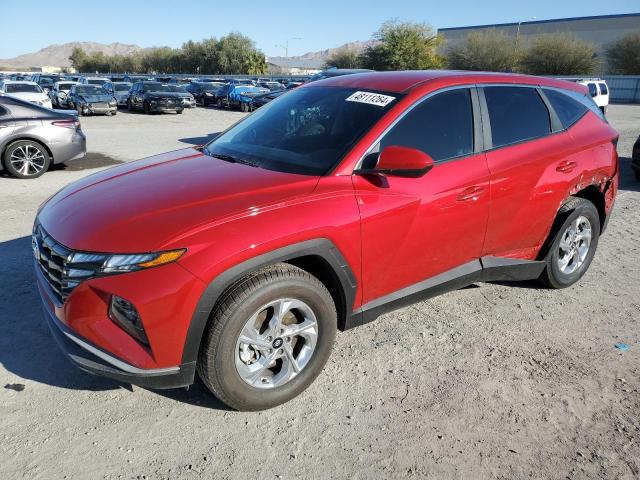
471, 193
567, 166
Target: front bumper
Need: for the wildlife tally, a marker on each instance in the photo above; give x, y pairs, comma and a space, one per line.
93, 360
95, 109
96, 345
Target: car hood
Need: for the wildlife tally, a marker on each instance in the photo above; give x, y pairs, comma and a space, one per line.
145, 205
163, 95
30, 96
96, 98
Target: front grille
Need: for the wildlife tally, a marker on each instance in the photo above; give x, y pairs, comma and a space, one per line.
52, 257
99, 106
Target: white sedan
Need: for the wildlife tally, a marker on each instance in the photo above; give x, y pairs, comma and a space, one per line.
28, 91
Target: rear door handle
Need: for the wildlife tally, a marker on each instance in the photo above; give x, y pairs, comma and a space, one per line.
567, 166
471, 193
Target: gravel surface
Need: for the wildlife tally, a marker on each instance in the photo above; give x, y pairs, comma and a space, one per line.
492, 381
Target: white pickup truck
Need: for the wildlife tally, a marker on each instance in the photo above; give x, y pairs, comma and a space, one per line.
598, 89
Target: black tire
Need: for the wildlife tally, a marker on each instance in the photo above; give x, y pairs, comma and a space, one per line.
147, 108
216, 362
79, 110
9, 166
129, 106
179, 111
219, 102
573, 208
243, 107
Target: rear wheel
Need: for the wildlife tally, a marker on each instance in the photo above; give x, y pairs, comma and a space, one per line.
574, 244
26, 159
270, 336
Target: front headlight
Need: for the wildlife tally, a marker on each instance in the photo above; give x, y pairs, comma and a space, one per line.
208, 94
81, 265
113, 103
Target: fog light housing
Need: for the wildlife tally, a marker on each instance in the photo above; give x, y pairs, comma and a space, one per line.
124, 314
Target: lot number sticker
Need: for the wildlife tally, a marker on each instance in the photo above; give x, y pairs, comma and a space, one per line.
371, 98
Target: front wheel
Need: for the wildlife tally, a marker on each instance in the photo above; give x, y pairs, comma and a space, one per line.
574, 244
179, 111
268, 339
147, 108
219, 102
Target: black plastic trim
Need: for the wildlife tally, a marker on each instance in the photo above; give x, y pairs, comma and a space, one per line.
485, 269
321, 247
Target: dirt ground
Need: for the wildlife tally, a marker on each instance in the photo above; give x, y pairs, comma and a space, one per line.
494, 381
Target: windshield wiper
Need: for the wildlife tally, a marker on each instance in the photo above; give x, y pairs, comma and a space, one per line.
227, 158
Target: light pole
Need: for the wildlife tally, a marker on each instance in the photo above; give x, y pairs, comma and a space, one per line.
286, 45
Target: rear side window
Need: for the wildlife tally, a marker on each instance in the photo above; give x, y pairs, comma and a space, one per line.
593, 90
569, 110
516, 114
441, 126
603, 88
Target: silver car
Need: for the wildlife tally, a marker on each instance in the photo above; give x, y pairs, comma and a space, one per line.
120, 90
32, 138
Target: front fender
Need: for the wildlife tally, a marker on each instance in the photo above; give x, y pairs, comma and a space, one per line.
321, 247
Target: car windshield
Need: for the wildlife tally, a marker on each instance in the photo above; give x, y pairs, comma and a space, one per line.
306, 131
243, 82
123, 87
89, 90
65, 86
156, 87
97, 81
177, 88
210, 86
22, 88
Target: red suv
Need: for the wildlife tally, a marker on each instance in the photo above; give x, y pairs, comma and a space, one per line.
339, 201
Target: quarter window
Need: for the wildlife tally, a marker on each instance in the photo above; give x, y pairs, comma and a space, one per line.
441, 126
603, 88
593, 90
516, 114
569, 111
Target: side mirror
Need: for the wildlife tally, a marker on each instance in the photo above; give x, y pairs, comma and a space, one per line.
400, 162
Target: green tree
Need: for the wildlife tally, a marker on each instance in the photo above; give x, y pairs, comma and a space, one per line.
403, 46
237, 54
559, 54
490, 50
78, 57
623, 55
343, 58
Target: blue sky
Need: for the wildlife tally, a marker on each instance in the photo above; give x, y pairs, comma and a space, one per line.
29, 25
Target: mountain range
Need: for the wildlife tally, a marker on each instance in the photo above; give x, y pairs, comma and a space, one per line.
58, 55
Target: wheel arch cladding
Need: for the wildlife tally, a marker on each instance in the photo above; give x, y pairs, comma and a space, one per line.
595, 196
319, 257
590, 193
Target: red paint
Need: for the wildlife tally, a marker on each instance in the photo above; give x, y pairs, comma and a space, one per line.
393, 231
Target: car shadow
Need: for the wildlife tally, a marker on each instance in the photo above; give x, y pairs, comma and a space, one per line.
628, 180
199, 140
29, 352
27, 349
90, 161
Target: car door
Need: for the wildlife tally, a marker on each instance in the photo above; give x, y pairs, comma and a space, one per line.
527, 166
416, 228
7, 125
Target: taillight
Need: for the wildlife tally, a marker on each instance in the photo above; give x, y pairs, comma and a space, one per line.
75, 124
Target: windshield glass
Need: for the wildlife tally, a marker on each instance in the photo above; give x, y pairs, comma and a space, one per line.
177, 88
65, 86
306, 131
121, 87
211, 86
22, 88
156, 87
97, 81
89, 90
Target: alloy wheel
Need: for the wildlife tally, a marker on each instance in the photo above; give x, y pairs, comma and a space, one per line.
574, 245
28, 160
276, 343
